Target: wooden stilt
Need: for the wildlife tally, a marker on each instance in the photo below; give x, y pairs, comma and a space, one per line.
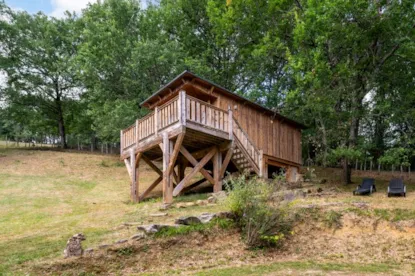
191, 186
167, 185
217, 162
133, 177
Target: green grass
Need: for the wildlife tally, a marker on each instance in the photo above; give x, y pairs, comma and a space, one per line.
300, 266
201, 228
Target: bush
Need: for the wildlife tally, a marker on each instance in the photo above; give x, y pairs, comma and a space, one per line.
263, 222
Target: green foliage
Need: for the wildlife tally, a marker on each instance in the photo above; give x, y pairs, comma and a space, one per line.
333, 219
397, 157
216, 223
263, 222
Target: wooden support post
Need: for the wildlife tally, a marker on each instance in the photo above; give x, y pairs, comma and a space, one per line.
128, 166
156, 121
195, 170
133, 177
167, 181
261, 163
230, 123
217, 162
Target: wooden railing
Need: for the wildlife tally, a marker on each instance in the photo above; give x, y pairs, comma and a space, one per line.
146, 126
253, 153
128, 137
168, 113
205, 114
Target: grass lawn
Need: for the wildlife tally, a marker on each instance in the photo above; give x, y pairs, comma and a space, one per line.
47, 196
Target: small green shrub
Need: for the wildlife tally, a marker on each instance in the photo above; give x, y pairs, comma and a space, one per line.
263, 222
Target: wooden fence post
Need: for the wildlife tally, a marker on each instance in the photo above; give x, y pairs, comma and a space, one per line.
137, 138
261, 163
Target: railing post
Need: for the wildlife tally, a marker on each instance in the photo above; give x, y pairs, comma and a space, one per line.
182, 107
260, 161
136, 133
230, 123
156, 120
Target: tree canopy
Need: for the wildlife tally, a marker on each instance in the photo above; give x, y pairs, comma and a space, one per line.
345, 68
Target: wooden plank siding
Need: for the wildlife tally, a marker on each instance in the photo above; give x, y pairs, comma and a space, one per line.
275, 137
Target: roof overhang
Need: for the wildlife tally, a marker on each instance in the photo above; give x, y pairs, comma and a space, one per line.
187, 78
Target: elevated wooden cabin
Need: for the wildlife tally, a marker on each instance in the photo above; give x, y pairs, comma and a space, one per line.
196, 123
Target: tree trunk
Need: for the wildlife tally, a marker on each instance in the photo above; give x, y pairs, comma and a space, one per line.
347, 172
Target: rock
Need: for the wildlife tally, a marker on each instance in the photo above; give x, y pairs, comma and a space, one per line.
323, 181
153, 228
102, 246
158, 215
185, 204
121, 241
212, 199
74, 246
138, 237
190, 220
165, 206
206, 217
319, 190
225, 215
201, 202
88, 251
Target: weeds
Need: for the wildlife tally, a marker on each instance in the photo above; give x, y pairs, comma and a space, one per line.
263, 223
333, 219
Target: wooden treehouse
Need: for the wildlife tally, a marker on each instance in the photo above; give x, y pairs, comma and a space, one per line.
196, 123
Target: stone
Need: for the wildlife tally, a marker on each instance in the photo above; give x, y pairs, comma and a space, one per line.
290, 196
212, 199
88, 251
225, 215
323, 181
189, 220
74, 246
102, 246
121, 241
201, 202
138, 237
319, 190
206, 217
165, 206
158, 215
185, 204
153, 228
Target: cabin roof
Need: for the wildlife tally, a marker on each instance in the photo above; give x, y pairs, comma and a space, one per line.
177, 81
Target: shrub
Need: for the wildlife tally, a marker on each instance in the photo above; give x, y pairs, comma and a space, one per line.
263, 222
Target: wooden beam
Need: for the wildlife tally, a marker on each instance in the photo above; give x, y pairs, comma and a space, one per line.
138, 158
150, 188
217, 162
128, 165
167, 183
225, 163
195, 170
194, 162
133, 192
175, 152
191, 186
151, 164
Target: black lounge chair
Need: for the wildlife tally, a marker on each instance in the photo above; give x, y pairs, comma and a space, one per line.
396, 187
367, 187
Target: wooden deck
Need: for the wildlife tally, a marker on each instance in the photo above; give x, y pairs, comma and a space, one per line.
200, 132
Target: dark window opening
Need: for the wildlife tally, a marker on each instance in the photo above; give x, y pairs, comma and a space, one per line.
274, 170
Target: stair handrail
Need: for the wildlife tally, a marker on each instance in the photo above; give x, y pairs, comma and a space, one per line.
257, 151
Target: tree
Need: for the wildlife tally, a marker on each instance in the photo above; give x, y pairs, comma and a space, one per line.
37, 57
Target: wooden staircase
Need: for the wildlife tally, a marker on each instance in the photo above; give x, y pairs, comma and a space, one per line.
246, 157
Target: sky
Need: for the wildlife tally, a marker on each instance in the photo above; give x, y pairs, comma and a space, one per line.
50, 7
